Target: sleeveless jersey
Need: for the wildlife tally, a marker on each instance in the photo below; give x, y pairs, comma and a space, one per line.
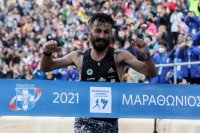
103, 71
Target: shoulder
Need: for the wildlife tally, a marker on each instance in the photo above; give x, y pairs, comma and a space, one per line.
80, 52
77, 53
120, 52
74, 55
121, 55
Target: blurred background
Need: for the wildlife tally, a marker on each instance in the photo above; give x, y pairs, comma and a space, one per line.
170, 28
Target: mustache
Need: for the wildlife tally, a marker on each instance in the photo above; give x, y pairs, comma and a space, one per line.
105, 40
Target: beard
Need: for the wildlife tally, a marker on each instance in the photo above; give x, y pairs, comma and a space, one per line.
100, 47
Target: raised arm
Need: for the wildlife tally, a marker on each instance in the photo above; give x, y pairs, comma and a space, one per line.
48, 63
147, 67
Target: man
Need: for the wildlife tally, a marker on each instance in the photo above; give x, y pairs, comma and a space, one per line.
163, 57
100, 63
189, 51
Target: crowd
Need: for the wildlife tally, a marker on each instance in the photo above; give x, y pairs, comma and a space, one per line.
170, 28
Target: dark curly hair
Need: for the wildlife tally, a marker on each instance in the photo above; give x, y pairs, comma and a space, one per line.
101, 18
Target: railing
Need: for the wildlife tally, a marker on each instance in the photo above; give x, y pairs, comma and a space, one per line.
175, 65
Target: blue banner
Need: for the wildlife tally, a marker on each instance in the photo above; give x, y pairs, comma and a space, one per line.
98, 99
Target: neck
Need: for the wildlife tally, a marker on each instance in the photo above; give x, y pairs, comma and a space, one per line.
97, 55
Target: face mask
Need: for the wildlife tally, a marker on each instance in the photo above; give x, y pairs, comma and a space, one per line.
167, 11
64, 53
150, 33
54, 35
132, 27
69, 46
21, 64
119, 22
133, 37
43, 40
159, 10
161, 50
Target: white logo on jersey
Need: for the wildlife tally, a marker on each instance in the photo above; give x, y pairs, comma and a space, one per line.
111, 70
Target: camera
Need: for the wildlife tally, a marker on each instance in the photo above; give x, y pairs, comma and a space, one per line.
59, 41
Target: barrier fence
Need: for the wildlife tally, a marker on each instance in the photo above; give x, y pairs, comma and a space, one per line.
98, 99
175, 65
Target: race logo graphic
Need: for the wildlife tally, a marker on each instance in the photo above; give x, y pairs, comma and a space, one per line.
100, 100
26, 97
89, 72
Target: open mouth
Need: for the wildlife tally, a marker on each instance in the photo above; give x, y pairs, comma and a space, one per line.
101, 42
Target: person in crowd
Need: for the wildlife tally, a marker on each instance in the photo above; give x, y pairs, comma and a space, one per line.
175, 20
151, 28
189, 51
72, 74
191, 20
164, 73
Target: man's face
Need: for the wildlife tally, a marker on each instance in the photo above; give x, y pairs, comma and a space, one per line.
100, 35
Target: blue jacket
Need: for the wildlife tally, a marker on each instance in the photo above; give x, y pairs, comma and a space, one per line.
164, 73
72, 75
40, 75
196, 39
192, 23
192, 54
58, 74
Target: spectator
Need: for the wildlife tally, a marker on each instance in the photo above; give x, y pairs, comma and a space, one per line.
188, 53
182, 27
192, 22
175, 19
184, 5
196, 39
164, 73
162, 34
151, 28
72, 74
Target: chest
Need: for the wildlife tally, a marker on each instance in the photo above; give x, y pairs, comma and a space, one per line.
104, 70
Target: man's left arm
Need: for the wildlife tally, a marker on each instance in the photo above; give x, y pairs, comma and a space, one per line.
149, 66
146, 67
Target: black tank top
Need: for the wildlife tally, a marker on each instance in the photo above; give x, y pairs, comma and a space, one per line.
103, 71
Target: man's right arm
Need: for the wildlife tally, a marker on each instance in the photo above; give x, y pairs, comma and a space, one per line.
47, 63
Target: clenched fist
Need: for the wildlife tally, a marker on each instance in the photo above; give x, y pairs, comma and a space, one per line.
51, 47
141, 48
139, 45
